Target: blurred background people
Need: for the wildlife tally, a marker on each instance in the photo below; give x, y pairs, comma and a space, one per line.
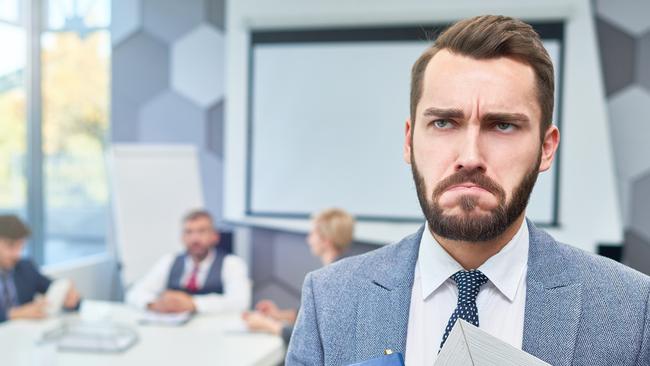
20, 280
330, 236
203, 278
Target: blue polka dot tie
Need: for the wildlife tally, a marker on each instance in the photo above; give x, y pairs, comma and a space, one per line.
469, 284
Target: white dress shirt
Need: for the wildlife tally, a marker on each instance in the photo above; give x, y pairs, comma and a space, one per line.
234, 276
500, 302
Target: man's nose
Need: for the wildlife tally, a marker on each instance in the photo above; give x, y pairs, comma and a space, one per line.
470, 156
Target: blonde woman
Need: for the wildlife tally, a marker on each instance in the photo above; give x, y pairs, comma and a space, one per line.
330, 236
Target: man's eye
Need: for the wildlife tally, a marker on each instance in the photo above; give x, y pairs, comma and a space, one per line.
442, 123
505, 126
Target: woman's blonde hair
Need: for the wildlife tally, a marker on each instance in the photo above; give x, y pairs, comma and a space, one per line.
335, 225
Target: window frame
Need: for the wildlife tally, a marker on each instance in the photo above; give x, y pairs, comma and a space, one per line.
31, 14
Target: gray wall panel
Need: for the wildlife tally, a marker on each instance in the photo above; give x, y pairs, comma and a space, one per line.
643, 61
140, 68
618, 55
170, 118
640, 217
171, 19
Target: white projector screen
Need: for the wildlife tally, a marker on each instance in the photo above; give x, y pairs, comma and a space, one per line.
326, 125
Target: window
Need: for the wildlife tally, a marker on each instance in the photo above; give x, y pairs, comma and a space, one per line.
13, 118
75, 117
67, 201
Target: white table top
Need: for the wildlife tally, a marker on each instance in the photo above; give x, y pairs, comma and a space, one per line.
205, 340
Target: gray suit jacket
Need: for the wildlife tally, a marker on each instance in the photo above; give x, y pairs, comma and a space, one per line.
581, 309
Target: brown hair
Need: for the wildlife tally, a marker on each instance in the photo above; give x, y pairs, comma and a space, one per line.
487, 37
197, 214
12, 228
336, 225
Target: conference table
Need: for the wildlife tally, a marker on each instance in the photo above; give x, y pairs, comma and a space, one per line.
204, 340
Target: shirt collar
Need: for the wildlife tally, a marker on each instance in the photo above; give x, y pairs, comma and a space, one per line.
435, 264
505, 269
203, 265
7, 273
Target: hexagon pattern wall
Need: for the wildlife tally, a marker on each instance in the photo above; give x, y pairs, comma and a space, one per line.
624, 34
630, 137
620, 58
641, 205
159, 119
198, 71
643, 57
127, 15
140, 67
168, 82
171, 19
630, 15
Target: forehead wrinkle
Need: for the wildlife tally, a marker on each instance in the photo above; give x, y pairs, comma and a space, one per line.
477, 111
484, 98
505, 109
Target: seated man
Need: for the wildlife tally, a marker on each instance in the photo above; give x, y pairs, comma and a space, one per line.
330, 236
20, 281
202, 279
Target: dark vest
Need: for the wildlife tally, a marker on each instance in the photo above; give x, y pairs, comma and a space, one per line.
213, 283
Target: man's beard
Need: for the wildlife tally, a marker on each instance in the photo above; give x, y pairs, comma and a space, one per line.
470, 226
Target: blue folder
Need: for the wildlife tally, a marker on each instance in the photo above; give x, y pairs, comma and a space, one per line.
394, 359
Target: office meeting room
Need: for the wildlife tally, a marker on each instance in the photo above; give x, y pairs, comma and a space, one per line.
325, 182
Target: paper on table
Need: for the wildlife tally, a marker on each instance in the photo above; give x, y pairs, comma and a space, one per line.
468, 345
76, 336
154, 318
95, 311
55, 295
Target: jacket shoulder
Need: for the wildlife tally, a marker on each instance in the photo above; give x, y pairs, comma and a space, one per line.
606, 274
391, 263
26, 266
556, 262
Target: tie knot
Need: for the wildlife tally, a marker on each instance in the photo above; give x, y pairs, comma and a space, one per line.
469, 282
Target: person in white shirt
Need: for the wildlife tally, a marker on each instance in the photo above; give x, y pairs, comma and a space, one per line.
201, 279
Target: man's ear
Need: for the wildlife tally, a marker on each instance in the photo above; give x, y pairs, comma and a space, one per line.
549, 147
408, 140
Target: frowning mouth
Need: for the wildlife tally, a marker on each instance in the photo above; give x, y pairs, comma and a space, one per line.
468, 182
467, 187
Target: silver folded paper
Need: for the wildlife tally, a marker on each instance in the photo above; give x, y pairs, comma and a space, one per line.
468, 345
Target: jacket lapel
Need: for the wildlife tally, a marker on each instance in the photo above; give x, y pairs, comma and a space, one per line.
383, 308
553, 301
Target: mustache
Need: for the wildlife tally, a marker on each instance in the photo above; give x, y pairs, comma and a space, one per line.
474, 176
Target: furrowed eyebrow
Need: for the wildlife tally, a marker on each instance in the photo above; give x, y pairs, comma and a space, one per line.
506, 117
443, 113
454, 113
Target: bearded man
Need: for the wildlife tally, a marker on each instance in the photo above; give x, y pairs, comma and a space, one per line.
479, 132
